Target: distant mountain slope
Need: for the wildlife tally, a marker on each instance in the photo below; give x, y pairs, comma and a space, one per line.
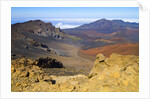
107, 29
107, 26
123, 49
35, 38
37, 27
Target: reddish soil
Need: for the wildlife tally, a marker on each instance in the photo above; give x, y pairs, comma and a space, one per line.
123, 49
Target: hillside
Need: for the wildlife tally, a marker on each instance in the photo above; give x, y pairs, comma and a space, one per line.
108, 26
107, 29
36, 38
122, 49
46, 59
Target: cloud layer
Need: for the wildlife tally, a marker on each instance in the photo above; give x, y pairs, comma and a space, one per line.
87, 20
64, 23
64, 26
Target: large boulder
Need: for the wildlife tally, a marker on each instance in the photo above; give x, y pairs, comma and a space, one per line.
119, 73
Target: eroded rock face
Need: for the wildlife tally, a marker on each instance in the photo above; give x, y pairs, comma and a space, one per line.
24, 74
115, 74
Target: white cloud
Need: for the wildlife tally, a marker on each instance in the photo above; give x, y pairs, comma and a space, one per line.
131, 20
64, 23
65, 26
72, 20
86, 20
78, 21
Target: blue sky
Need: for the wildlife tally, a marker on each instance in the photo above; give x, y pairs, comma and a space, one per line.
66, 17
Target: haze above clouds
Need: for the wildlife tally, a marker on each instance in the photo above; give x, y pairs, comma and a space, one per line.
75, 22
70, 17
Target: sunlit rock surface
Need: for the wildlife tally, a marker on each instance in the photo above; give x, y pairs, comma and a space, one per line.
119, 73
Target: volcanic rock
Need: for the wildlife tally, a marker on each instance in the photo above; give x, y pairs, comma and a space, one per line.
48, 63
115, 74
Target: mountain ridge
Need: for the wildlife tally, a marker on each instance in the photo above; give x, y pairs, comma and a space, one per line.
36, 37
106, 24
107, 30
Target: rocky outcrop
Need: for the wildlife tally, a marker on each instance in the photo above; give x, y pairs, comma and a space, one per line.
28, 77
115, 74
24, 75
48, 63
40, 45
38, 27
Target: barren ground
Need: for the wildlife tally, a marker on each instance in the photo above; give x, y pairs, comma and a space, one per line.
73, 59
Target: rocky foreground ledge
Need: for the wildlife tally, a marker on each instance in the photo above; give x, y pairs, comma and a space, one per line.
115, 74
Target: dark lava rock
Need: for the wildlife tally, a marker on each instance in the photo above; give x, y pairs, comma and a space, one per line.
48, 63
44, 46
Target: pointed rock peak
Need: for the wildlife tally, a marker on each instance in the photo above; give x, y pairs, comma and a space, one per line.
102, 20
